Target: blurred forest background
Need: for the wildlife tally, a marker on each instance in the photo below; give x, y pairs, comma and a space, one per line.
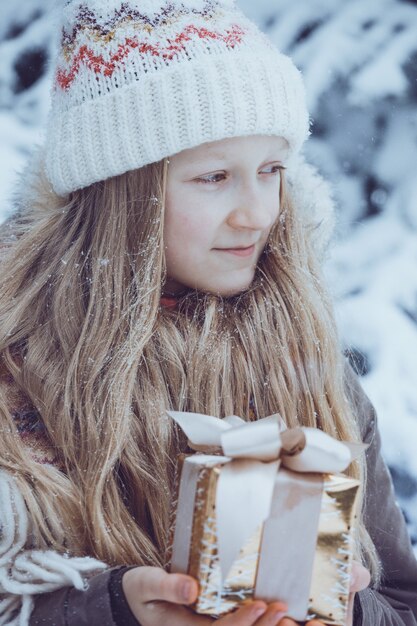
359, 59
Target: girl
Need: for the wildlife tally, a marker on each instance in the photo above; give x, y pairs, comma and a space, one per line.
166, 254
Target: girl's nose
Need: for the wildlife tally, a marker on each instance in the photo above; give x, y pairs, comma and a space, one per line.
253, 213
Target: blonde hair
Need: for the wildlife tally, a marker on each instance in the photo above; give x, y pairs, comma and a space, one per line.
102, 361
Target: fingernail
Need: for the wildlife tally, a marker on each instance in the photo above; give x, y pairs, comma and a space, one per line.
278, 615
186, 591
260, 610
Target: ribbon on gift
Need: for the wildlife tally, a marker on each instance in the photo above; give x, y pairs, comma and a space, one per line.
253, 452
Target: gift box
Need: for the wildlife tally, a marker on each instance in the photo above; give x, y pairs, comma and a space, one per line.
268, 516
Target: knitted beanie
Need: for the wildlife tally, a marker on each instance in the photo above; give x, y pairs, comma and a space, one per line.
140, 80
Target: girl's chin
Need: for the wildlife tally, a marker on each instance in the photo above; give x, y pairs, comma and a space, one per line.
227, 291
218, 288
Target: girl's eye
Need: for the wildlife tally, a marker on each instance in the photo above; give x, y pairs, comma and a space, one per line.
210, 178
213, 178
276, 169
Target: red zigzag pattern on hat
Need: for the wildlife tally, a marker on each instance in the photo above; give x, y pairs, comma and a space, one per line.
97, 63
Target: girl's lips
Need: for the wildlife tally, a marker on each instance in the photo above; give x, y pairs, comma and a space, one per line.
239, 251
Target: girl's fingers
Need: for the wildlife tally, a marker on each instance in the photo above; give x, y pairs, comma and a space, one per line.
253, 614
153, 583
245, 616
360, 577
349, 617
290, 622
274, 614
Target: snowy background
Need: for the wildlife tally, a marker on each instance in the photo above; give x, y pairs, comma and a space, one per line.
359, 59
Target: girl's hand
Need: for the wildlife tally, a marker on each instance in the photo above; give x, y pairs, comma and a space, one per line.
360, 579
156, 598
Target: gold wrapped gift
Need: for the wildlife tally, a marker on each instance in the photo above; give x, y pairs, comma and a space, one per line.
247, 528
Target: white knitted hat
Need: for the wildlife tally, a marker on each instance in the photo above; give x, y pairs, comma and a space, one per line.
140, 80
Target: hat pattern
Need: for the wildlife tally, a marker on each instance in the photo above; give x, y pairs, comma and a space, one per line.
91, 30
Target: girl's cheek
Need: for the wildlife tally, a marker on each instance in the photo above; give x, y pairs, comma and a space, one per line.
185, 241
197, 225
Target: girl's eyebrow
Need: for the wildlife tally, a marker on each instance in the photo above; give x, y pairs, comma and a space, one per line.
222, 157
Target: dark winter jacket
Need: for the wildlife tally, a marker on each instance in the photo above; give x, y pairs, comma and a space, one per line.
393, 604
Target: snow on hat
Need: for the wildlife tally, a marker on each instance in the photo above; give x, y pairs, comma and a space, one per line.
140, 80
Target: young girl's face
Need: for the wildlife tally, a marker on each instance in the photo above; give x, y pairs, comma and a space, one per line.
222, 201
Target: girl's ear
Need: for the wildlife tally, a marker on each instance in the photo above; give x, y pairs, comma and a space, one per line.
312, 197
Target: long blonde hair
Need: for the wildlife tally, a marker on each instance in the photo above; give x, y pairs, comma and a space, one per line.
101, 360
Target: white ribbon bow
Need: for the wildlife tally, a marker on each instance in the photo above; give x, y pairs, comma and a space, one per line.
263, 440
